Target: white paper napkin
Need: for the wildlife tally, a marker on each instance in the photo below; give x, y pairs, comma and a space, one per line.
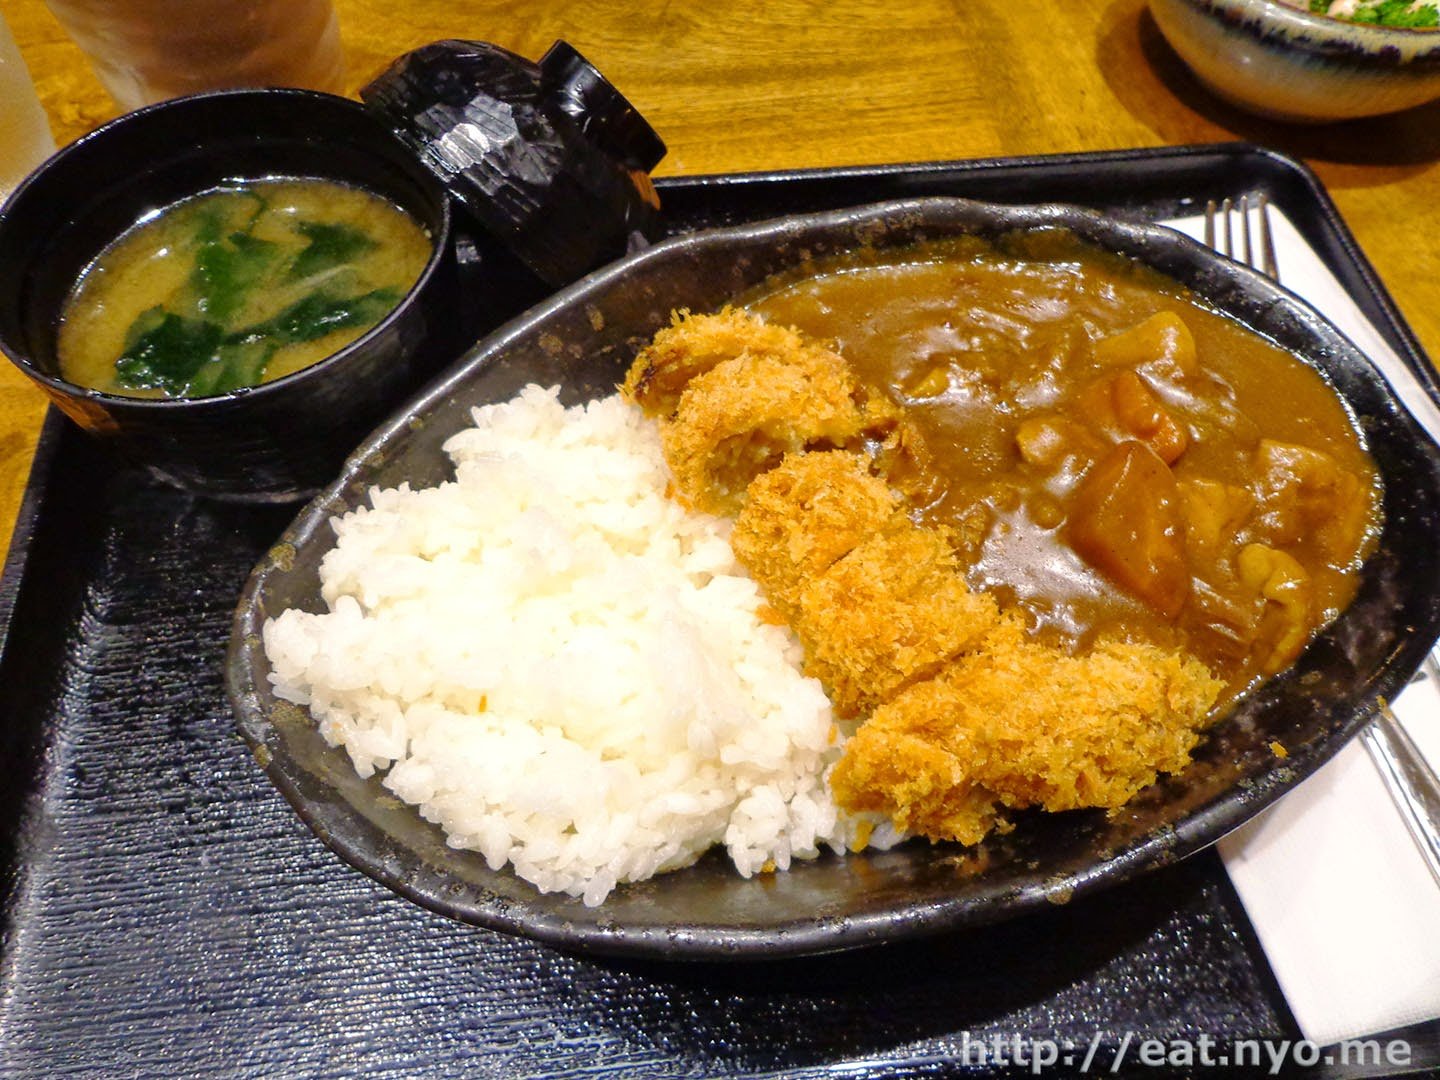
1340, 898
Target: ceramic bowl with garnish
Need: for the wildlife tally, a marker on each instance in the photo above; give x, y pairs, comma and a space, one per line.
1289, 62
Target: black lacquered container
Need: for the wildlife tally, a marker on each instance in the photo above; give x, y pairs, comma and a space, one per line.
548, 159
271, 442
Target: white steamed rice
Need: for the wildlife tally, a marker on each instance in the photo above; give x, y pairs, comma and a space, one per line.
562, 667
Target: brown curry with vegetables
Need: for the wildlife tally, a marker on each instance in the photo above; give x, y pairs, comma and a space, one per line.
1111, 456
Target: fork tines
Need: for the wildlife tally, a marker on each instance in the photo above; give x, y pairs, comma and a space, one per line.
1225, 214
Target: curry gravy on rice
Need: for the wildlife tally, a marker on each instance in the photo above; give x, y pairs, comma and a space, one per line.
1035, 514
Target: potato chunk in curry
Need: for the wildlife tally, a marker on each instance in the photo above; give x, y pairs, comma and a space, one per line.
1126, 520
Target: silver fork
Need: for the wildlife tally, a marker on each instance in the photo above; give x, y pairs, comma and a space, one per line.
1411, 782
1260, 255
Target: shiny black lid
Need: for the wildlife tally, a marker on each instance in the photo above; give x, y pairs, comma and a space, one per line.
579, 90
549, 158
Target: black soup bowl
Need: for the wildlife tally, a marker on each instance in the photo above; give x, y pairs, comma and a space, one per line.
583, 339
280, 440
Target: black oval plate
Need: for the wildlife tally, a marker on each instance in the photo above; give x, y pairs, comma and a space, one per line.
584, 338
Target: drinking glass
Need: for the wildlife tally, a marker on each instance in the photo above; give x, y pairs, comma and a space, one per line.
145, 51
25, 138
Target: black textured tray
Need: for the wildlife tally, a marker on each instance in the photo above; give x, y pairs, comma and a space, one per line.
166, 913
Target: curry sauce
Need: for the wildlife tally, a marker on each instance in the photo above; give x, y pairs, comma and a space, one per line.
1107, 454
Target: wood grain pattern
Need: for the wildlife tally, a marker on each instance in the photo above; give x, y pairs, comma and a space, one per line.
794, 83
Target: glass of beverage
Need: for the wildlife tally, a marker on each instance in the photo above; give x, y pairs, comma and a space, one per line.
145, 51
25, 138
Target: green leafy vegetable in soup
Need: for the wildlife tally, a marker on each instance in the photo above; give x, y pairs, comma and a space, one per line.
238, 286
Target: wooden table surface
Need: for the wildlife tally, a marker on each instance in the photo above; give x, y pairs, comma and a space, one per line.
763, 84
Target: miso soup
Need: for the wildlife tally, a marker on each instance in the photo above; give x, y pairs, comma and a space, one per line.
238, 286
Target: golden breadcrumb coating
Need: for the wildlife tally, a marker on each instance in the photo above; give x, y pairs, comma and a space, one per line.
693, 344
743, 415
735, 395
920, 783
1029, 723
803, 516
876, 600
892, 611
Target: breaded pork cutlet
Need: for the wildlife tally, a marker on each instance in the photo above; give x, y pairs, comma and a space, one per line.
876, 600
736, 416
895, 609
693, 344
803, 516
1030, 724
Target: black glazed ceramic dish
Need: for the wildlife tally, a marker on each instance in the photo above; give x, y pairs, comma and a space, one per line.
584, 339
280, 440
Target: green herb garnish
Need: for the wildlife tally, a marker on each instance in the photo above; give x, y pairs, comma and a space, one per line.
1402, 14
